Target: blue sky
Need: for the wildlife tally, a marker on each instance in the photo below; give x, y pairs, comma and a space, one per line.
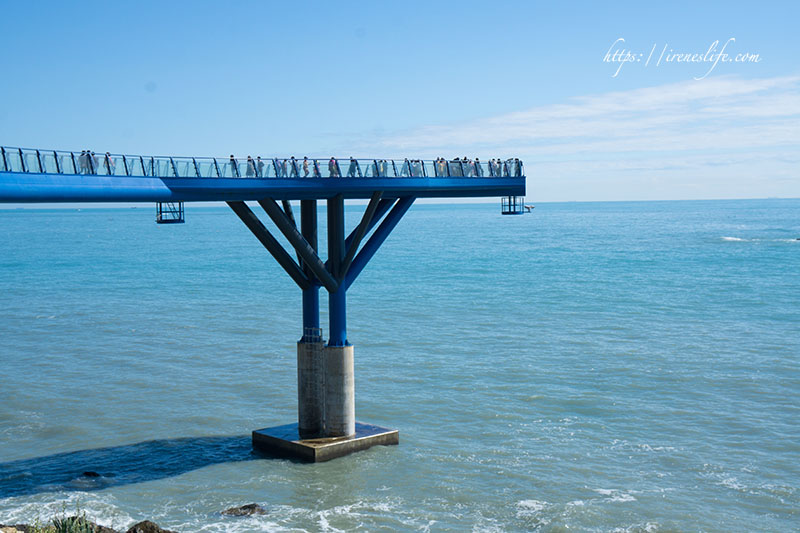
421, 79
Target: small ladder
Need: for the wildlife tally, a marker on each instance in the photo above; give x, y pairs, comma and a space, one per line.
169, 213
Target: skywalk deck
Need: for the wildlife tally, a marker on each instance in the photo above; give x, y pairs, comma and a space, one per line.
33, 175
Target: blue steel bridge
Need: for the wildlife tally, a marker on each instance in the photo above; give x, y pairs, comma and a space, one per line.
31, 175
326, 426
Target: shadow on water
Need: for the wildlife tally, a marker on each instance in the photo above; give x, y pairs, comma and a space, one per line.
100, 468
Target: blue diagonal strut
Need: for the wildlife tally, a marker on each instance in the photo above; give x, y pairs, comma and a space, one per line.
359, 233
270, 243
380, 235
303, 248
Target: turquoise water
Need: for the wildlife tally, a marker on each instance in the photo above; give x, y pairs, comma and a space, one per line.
590, 367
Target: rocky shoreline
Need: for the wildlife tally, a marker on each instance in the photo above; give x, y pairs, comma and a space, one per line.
80, 524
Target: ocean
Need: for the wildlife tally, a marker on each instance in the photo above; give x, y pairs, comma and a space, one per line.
630, 366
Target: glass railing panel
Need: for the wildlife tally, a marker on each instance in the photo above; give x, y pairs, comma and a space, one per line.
83, 162
482, 169
350, 168
428, 169
469, 168
369, 168
247, 169
65, 163
163, 168
403, 168
31, 161
279, 167
185, 168
13, 161
415, 166
508, 167
100, 165
134, 164
48, 162
456, 171
92, 162
117, 165
227, 168
293, 168
332, 168
384, 168
206, 168
264, 168
307, 168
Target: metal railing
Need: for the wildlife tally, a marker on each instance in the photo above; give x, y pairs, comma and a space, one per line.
86, 162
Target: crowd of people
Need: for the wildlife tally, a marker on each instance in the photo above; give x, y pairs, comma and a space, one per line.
90, 163
295, 168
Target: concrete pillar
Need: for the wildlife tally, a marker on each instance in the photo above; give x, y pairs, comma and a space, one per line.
310, 389
340, 404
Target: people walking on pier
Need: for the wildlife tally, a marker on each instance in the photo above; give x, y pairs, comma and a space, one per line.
455, 167
251, 167
93, 161
495, 166
292, 167
469, 167
478, 169
351, 170
259, 167
83, 162
234, 167
405, 170
333, 168
110, 165
441, 167
305, 166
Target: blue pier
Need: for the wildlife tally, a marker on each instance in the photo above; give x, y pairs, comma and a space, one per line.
326, 426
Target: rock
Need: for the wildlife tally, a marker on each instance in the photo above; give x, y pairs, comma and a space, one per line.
90, 473
147, 526
245, 510
25, 528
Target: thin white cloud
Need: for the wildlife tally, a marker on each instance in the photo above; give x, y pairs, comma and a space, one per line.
703, 129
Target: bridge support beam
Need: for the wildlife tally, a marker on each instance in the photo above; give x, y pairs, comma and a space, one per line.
340, 392
310, 355
326, 426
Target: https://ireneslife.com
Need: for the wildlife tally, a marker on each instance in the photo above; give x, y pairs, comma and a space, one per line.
716, 54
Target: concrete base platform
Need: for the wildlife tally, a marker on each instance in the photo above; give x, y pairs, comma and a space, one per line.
285, 440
